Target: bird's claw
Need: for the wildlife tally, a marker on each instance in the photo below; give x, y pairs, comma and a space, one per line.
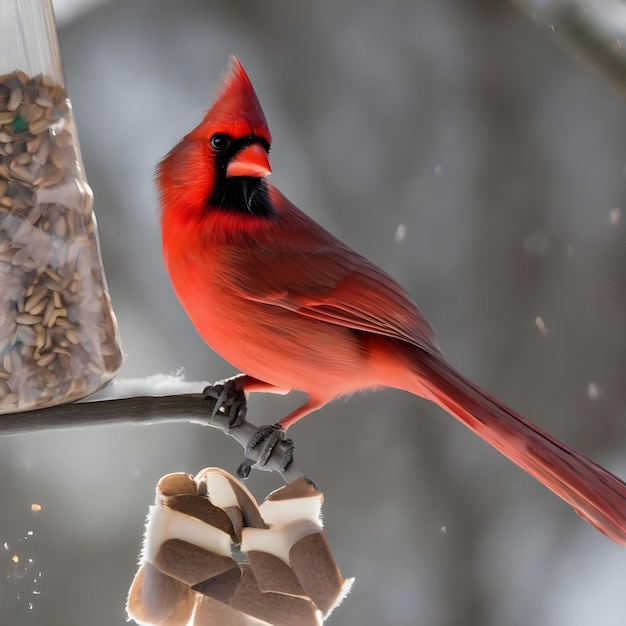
230, 399
267, 442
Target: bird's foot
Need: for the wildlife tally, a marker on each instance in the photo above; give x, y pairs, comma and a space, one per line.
267, 442
230, 399
266, 447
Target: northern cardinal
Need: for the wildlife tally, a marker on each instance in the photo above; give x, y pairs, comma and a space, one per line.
293, 307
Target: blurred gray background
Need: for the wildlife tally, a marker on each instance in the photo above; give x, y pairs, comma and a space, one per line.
505, 161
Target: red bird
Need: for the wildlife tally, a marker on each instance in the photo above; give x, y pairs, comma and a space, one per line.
293, 307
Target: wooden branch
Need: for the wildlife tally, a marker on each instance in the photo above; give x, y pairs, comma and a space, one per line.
593, 31
191, 408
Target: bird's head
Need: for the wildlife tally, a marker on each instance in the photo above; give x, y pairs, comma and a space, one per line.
222, 163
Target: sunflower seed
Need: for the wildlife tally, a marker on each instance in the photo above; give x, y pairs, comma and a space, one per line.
46, 359
34, 299
27, 318
15, 99
7, 117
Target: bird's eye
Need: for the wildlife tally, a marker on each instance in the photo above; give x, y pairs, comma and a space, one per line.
219, 142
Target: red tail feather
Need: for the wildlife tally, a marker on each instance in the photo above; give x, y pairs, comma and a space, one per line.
597, 495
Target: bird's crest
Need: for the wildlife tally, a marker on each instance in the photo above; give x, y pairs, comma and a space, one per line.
236, 110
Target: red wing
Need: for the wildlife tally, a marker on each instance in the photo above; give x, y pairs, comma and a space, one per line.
332, 284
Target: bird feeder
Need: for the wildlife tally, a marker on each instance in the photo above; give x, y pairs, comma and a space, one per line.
59, 339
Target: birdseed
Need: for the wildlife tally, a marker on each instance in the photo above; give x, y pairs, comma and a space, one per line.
58, 336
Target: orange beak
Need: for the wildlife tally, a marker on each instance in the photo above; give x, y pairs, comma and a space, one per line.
250, 161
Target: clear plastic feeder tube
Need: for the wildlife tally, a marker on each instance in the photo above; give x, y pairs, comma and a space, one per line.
59, 340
